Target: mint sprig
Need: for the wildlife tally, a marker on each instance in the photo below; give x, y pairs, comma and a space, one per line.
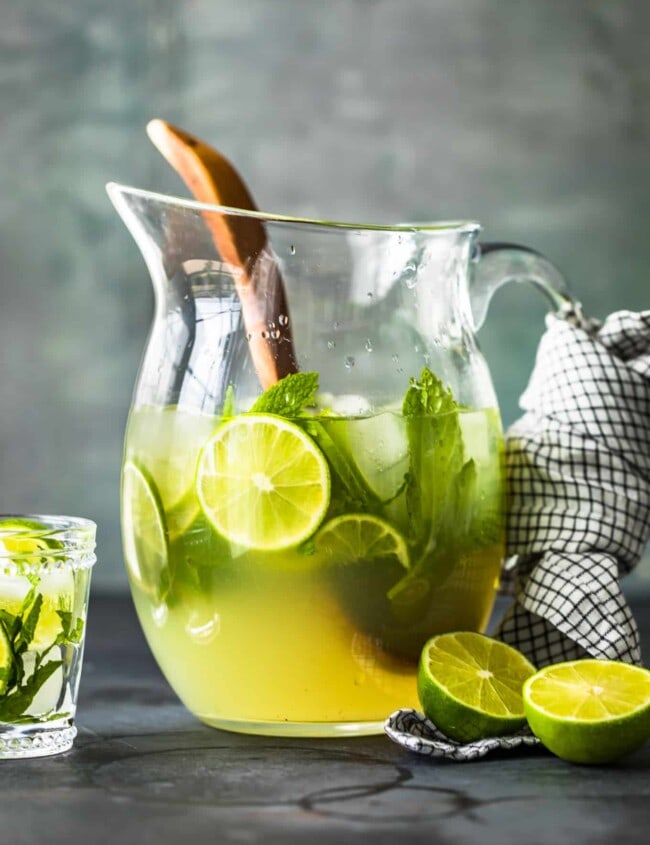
18, 631
441, 493
436, 452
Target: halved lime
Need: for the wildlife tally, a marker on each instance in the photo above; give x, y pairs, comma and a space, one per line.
262, 482
143, 530
360, 537
589, 711
470, 685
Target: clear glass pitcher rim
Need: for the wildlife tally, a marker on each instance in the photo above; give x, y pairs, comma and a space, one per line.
430, 227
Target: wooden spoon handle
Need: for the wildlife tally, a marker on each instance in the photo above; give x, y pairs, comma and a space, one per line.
241, 241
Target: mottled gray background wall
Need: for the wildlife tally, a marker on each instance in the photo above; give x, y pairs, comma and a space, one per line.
532, 117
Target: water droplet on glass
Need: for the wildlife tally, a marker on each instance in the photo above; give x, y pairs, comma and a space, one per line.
369, 294
336, 325
395, 359
331, 344
349, 362
368, 345
292, 249
249, 336
283, 320
263, 334
275, 334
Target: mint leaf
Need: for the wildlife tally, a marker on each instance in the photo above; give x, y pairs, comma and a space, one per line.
71, 629
428, 395
14, 705
289, 397
29, 621
10, 623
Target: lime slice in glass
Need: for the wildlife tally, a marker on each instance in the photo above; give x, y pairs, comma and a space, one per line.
352, 538
21, 536
166, 443
589, 711
362, 557
26, 542
143, 531
262, 483
6, 660
470, 686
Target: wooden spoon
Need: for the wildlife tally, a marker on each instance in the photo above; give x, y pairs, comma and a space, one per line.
241, 241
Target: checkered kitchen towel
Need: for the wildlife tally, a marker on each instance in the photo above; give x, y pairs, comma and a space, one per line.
578, 466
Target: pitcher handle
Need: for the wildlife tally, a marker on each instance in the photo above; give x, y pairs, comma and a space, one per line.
498, 263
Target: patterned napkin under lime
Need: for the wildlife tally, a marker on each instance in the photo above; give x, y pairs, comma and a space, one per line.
578, 469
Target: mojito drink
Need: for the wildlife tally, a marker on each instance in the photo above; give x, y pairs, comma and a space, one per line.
288, 561
45, 568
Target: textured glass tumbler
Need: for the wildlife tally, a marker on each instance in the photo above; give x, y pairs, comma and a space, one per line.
45, 568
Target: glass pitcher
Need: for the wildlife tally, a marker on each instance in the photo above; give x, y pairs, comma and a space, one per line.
312, 483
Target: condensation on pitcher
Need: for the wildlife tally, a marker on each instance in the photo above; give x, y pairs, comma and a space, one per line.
349, 361
292, 250
331, 344
368, 345
283, 320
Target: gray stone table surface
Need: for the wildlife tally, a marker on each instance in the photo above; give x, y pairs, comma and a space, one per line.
144, 770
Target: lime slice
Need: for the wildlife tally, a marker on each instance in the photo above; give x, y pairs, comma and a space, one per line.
6, 660
143, 531
589, 711
19, 536
262, 482
470, 686
352, 538
166, 442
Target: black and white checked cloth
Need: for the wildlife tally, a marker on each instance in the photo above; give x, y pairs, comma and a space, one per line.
578, 470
